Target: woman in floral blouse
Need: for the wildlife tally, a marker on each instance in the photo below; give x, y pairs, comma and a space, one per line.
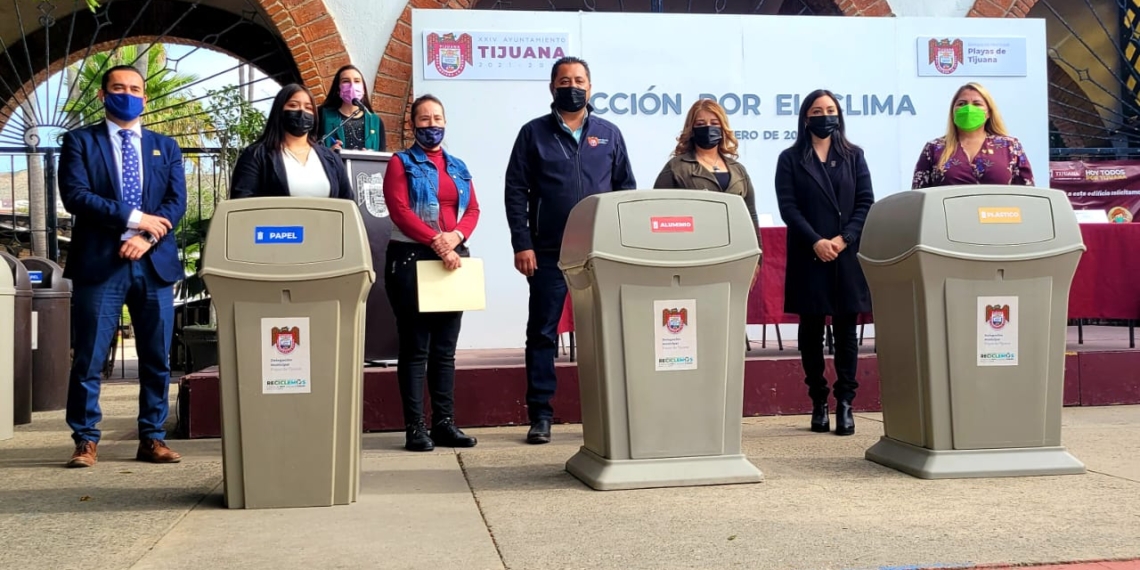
976, 149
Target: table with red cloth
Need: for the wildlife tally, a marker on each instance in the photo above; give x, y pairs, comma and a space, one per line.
1102, 288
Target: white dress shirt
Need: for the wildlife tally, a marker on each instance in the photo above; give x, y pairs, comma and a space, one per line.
307, 179
117, 145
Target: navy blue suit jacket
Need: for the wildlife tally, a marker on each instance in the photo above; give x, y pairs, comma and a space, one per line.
89, 187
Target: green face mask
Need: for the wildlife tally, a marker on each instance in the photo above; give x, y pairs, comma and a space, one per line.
969, 117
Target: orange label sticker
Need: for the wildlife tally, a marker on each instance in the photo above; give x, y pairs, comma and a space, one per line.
999, 215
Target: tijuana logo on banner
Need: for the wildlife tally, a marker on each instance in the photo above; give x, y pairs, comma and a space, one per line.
449, 53
945, 55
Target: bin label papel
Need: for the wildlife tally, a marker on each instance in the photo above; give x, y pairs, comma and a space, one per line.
279, 234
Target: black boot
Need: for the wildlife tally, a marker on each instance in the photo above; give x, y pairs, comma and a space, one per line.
445, 434
539, 432
844, 421
819, 419
417, 438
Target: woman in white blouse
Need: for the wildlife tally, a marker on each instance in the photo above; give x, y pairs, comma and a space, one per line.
286, 160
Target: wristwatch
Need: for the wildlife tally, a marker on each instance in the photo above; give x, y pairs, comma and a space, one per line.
847, 238
153, 240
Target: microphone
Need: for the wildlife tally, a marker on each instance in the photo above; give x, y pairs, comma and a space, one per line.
355, 103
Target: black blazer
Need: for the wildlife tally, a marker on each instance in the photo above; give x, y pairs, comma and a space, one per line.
813, 211
260, 172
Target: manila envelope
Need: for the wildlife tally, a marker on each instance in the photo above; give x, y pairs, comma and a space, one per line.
441, 290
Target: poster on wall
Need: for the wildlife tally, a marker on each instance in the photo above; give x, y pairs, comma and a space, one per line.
675, 335
997, 331
1111, 186
285, 356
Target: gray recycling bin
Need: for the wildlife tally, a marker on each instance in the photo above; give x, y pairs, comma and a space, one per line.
288, 278
51, 326
971, 286
7, 352
21, 341
659, 282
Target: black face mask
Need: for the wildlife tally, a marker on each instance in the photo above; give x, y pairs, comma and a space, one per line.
707, 136
570, 99
298, 123
823, 125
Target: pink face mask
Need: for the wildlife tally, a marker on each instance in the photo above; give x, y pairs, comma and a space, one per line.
350, 91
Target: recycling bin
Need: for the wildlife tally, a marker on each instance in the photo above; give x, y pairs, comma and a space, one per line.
51, 327
659, 282
21, 341
288, 277
7, 352
970, 286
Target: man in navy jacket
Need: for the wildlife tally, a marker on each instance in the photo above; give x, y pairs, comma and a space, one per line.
126, 189
558, 159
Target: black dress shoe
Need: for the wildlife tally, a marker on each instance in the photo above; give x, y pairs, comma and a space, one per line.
844, 421
417, 438
539, 432
445, 434
819, 419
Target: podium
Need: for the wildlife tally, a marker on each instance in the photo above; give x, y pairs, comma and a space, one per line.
366, 171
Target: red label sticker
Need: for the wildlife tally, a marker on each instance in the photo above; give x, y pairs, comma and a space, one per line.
672, 224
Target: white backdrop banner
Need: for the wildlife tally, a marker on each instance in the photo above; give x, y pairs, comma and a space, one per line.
646, 73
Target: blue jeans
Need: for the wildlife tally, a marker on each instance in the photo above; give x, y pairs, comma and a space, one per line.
95, 312
547, 297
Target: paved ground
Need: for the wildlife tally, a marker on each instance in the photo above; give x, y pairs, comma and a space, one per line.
507, 505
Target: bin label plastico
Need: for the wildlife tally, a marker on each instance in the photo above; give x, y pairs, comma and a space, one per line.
997, 331
671, 224
279, 234
36, 277
675, 335
999, 215
285, 356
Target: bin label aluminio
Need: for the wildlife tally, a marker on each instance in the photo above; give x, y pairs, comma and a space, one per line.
279, 234
285, 356
671, 224
675, 335
36, 277
998, 319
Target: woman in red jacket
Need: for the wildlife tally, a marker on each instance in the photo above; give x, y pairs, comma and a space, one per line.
432, 203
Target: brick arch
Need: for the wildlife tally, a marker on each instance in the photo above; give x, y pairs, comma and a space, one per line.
392, 88
312, 38
1000, 8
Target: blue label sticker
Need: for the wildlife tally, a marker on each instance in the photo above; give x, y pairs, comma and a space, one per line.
279, 234
36, 277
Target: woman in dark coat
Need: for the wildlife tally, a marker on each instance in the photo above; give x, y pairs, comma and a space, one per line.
823, 188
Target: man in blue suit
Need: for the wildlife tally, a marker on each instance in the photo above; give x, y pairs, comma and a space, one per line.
126, 189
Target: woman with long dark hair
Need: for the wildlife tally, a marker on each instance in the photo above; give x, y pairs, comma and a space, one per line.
432, 203
345, 124
286, 160
823, 188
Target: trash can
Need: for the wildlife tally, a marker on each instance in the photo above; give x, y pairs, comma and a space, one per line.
288, 278
659, 283
7, 352
21, 341
51, 324
971, 289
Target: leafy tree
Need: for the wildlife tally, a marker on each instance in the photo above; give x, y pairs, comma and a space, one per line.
172, 108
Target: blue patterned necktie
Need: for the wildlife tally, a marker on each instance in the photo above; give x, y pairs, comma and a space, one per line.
132, 184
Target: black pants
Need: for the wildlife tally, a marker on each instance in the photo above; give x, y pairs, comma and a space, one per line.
846, 355
547, 298
427, 340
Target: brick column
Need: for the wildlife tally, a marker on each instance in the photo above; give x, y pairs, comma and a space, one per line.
312, 37
1000, 8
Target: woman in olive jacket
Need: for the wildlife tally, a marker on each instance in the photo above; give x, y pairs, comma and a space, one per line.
705, 157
